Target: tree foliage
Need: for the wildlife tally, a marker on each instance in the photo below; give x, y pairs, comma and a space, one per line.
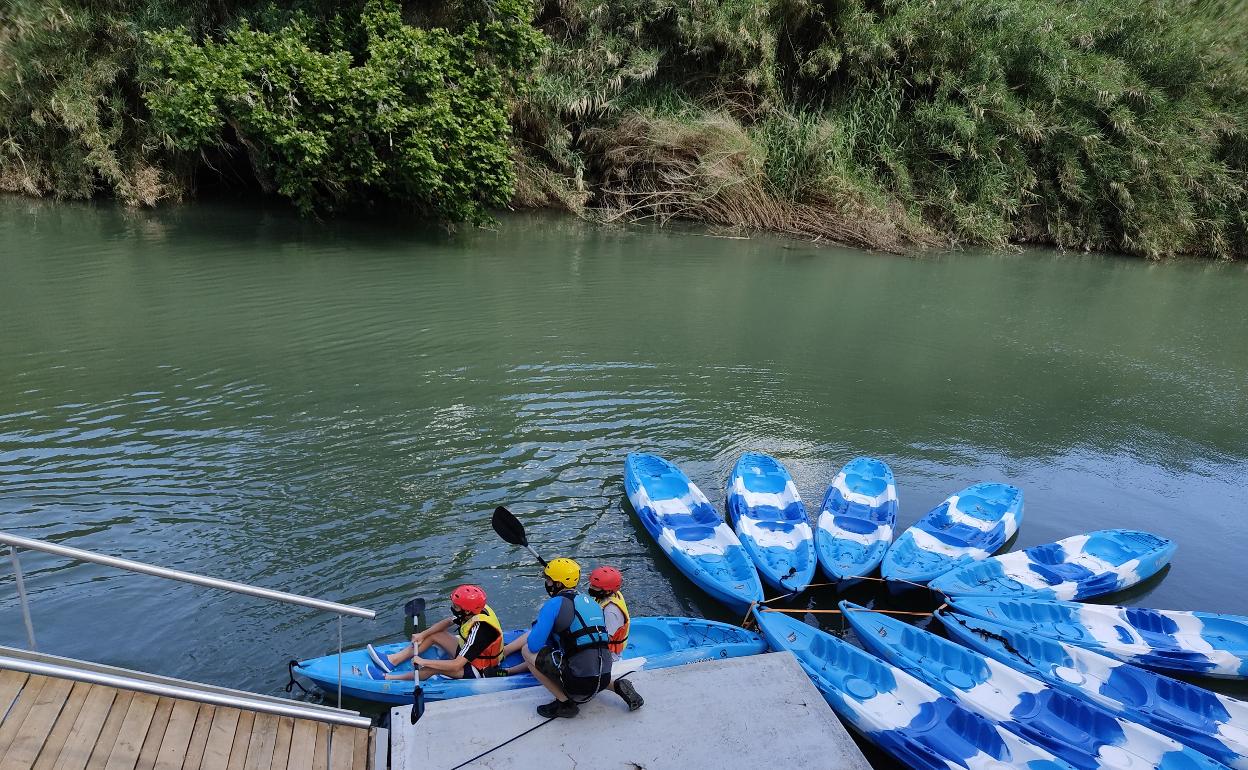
417, 115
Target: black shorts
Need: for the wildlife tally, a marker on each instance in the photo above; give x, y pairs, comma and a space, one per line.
578, 688
472, 672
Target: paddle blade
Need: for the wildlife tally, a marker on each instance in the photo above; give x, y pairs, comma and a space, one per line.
509, 527
418, 703
415, 607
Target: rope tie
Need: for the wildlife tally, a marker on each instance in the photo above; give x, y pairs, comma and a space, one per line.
293, 683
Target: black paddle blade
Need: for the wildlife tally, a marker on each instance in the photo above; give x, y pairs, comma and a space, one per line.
414, 608
509, 527
418, 704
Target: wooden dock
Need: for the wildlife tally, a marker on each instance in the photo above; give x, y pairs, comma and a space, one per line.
49, 723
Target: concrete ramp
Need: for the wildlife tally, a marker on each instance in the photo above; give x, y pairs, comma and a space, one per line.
755, 712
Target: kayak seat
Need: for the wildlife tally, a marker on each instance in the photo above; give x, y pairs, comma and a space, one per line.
853, 524
695, 532
1061, 573
678, 521
768, 513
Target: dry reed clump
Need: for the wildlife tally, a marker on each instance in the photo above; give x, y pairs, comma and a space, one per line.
537, 185
711, 169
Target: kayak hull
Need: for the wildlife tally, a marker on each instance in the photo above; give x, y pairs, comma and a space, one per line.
908, 719
1084, 734
770, 520
967, 527
653, 643
1202, 643
1215, 725
1077, 567
690, 531
856, 520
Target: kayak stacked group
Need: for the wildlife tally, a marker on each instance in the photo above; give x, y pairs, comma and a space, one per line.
949, 549
1031, 679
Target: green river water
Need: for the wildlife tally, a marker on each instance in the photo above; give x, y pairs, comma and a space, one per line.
334, 409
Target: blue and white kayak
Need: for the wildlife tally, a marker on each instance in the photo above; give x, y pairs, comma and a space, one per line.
918, 726
968, 527
770, 519
1075, 567
1215, 725
1204, 643
690, 531
1086, 735
857, 519
653, 643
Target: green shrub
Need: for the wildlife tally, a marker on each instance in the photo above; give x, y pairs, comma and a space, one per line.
418, 116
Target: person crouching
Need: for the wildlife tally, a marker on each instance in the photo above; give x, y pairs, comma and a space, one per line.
567, 649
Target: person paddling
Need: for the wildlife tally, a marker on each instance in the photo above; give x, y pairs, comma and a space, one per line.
605, 584
473, 652
567, 648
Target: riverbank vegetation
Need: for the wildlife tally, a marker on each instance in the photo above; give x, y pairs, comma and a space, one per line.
1104, 124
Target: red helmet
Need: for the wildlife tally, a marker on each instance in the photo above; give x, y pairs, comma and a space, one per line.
468, 598
606, 579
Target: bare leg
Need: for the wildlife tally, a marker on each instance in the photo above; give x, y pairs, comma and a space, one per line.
445, 642
516, 644
530, 659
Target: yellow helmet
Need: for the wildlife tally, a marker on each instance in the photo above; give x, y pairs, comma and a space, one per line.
565, 572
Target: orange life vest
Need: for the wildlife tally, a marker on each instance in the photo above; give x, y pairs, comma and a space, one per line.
493, 654
618, 640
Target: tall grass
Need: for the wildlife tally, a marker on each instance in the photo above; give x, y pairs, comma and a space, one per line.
1099, 124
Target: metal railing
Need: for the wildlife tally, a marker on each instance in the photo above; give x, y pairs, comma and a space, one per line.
16, 541
239, 700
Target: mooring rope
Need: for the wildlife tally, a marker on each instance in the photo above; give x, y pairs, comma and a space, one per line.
504, 743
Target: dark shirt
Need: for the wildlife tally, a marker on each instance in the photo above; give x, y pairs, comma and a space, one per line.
480, 636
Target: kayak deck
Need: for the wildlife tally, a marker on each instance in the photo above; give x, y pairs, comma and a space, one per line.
770, 520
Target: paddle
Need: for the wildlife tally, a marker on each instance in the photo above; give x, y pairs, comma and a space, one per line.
511, 530
418, 703
413, 616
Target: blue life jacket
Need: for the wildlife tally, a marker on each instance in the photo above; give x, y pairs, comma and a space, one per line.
580, 625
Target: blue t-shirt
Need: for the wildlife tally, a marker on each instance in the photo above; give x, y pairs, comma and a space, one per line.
543, 631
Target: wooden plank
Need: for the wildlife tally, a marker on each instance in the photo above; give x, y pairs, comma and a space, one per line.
342, 747
263, 741
242, 738
108, 733
37, 725
82, 738
133, 732
177, 737
302, 745
220, 739
199, 737
372, 749
63, 728
11, 683
281, 749
320, 754
156, 733
17, 712
361, 750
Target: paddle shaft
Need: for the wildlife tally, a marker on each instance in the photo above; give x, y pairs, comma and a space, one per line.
537, 556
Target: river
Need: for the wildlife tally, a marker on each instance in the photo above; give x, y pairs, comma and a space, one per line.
334, 409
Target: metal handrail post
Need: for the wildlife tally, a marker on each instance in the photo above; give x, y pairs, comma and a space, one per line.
339, 661
30, 544
21, 596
